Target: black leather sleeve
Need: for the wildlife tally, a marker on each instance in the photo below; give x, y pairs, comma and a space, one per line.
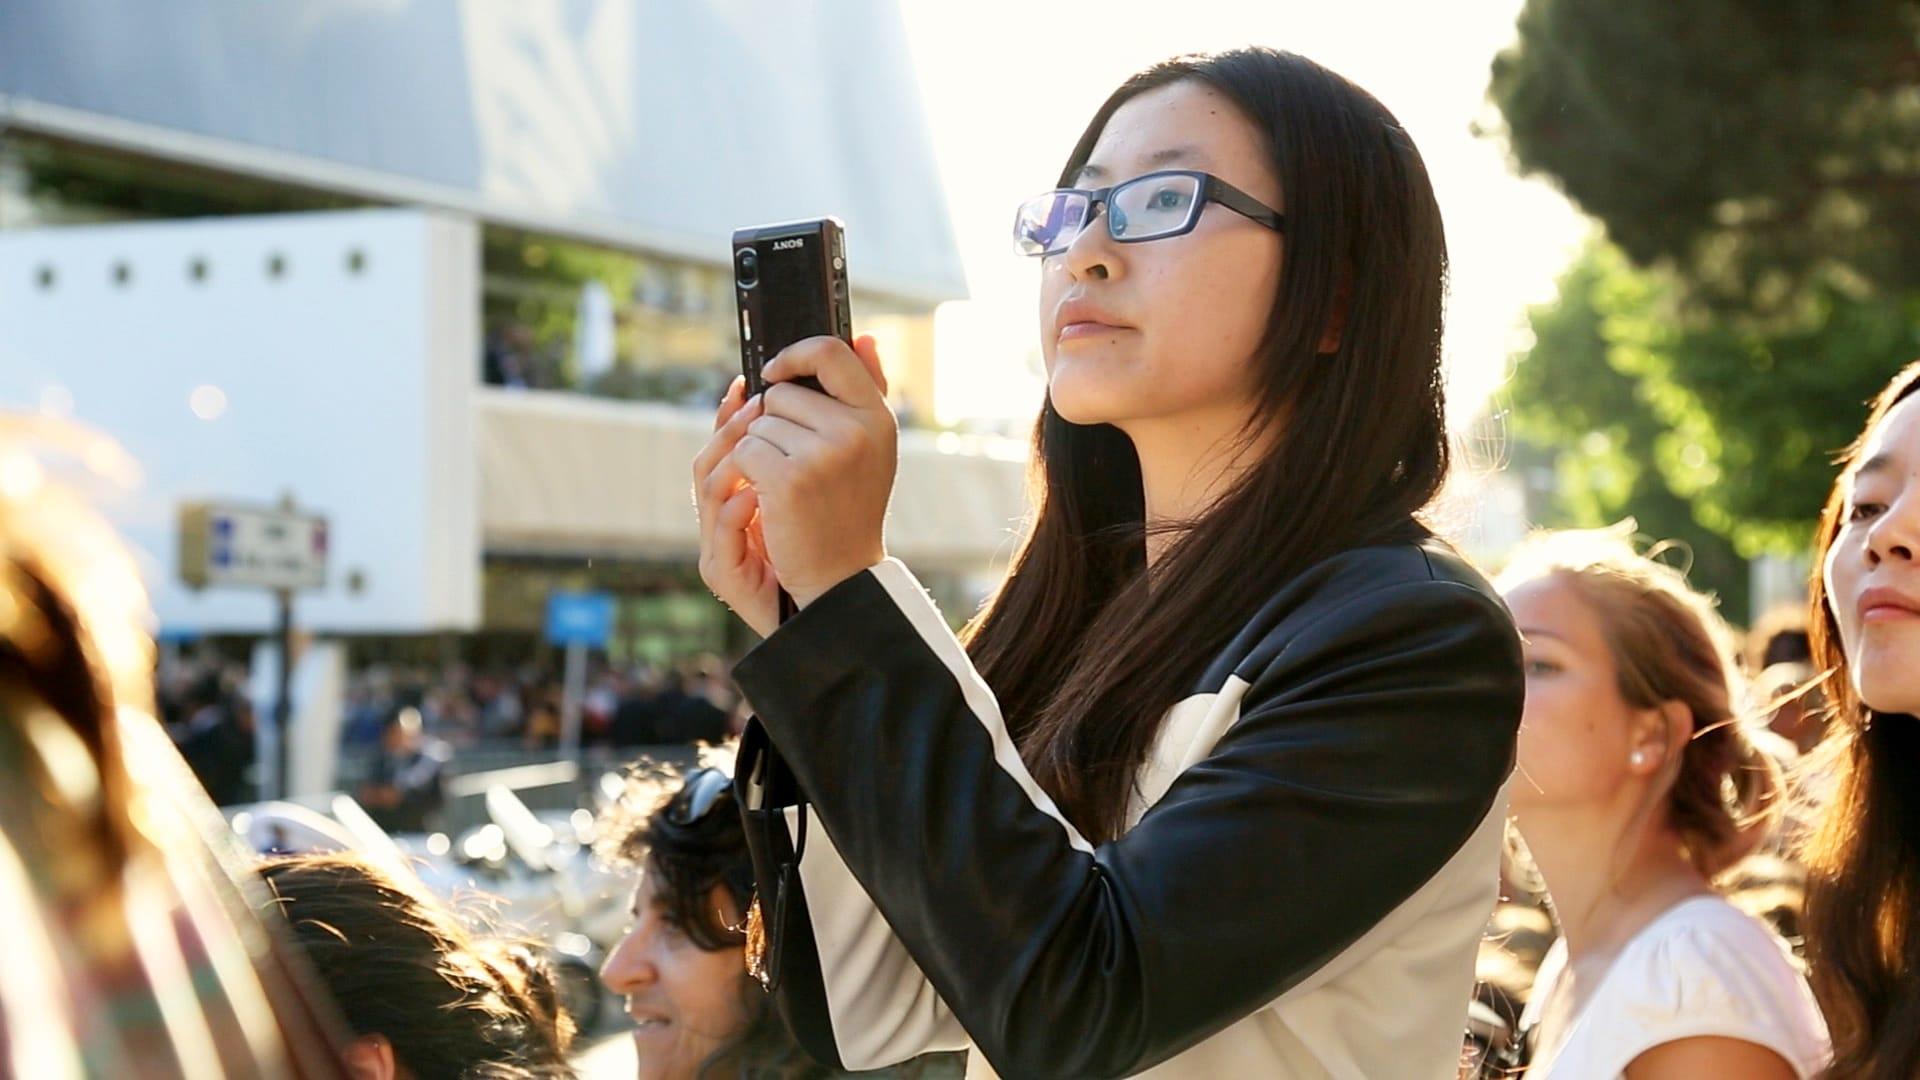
1374, 738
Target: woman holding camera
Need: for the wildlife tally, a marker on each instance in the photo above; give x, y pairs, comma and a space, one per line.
1215, 784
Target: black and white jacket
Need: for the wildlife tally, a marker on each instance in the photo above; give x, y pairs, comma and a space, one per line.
1311, 858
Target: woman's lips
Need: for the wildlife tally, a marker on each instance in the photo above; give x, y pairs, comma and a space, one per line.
1082, 330
1081, 318
648, 1022
1886, 605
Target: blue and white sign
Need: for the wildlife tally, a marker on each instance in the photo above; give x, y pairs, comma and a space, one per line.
252, 546
580, 618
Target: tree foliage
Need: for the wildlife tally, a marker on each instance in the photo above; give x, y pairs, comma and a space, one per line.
1762, 147
1644, 400
1595, 430
1756, 168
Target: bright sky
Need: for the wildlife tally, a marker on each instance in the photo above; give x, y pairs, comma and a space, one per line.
1009, 84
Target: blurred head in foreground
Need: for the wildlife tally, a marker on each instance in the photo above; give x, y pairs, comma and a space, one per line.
130, 949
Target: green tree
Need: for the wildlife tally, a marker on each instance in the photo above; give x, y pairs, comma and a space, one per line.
1754, 417
1760, 146
1758, 165
1592, 425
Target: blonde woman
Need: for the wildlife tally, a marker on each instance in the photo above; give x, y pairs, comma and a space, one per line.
1637, 788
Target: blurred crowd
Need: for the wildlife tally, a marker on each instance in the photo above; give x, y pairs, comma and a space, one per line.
205, 708
144, 941
205, 705
639, 705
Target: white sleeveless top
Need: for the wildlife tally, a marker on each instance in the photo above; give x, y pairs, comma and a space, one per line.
1702, 968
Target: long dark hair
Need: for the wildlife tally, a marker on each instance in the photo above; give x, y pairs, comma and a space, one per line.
1083, 661
1863, 860
400, 965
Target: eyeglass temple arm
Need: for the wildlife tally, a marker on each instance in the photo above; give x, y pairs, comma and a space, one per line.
1244, 204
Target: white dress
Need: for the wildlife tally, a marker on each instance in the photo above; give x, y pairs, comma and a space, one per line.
1702, 968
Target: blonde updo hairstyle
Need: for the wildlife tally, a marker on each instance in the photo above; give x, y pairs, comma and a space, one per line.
1669, 644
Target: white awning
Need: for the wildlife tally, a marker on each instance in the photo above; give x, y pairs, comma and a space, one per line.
562, 474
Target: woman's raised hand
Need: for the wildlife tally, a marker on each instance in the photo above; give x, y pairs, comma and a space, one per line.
822, 464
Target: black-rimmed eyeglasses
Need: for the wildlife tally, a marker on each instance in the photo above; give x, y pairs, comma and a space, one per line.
1155, 206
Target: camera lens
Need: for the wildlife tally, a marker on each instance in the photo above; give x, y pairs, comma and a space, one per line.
746, 267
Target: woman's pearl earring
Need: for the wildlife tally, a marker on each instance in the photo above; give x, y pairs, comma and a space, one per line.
1638, 758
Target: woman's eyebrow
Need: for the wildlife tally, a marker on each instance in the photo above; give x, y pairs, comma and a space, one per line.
1168, 156
1881, 462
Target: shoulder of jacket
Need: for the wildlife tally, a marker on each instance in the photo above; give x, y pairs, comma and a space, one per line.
1427, 572
1364, 569
1393, 587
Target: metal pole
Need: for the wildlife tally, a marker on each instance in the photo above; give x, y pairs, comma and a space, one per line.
283, 696
574, 688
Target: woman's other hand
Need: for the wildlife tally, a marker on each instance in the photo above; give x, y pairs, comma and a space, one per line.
821, 464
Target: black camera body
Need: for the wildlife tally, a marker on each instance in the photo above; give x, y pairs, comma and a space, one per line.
790, 282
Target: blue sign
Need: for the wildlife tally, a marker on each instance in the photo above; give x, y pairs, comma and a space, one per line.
584, 618
223, 542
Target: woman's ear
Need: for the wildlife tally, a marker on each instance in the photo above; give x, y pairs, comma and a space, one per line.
1659, 736
1679, 724
370, 1057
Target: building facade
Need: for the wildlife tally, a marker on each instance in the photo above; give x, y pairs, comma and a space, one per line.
457, 276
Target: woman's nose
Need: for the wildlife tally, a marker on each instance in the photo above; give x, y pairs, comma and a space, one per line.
1093, 254
630, 965
1896, 533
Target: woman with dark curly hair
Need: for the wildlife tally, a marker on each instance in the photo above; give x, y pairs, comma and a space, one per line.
682, 967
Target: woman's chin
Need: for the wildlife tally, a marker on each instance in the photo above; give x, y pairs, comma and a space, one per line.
1077, 402
1078, 413
1885, 672
1891, 693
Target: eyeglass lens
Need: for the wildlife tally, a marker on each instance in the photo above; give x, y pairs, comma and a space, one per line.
1051, 221
1151, 206
1140, 209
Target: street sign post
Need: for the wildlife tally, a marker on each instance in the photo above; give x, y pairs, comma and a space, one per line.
579, 621
252, 545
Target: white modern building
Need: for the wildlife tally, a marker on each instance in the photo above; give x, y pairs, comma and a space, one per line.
456, 276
